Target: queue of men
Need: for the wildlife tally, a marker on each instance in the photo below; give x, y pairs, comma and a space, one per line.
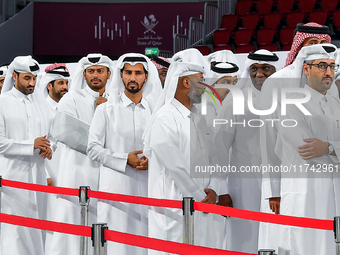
122, 127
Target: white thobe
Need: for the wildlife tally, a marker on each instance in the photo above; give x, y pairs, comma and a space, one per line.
307, 193
242, 135
220, 231
52, 167
115, 131
169, 173
288, 77
20, 125
75, 170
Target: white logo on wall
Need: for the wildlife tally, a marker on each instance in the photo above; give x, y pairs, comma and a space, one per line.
149, 23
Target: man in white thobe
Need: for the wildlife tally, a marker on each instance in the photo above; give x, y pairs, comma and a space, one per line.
174, 141
223, 70
288, 77
54, 84
311, 145
70, 127
115, 141
24, 125
241, 134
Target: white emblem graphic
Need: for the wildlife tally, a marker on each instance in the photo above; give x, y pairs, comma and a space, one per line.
149, 24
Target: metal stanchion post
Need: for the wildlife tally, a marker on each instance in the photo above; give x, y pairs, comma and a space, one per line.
98, 239
337, 234
188, 220
266, 252
84, 207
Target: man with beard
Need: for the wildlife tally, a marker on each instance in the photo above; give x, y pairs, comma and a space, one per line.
240, 144
24, 124
313, 142
54, 84
70, 127
57, 77
115, 141
174, 141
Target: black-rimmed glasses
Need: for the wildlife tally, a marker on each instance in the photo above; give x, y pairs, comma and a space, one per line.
323, 67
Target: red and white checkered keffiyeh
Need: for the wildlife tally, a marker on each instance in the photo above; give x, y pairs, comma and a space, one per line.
299, 38
54, 66
158, 66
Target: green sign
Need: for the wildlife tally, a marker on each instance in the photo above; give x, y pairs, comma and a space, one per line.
151, 51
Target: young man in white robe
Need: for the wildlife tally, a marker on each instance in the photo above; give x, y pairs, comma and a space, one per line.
306, 35
174, 143
70, 127
54, 83
288, 77
24, 124
115, 141
311, 146
238, 139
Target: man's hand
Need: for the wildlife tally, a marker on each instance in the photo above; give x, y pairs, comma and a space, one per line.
50, 182
134, 161
274, 204
225, 200
210, 198
47, 153
143, 164
41, 143
100, 100
313, 148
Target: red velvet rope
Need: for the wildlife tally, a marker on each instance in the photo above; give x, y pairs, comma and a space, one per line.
166, 246
46, 225
227, 211
265, 217
40, 188
136, 200
140, 241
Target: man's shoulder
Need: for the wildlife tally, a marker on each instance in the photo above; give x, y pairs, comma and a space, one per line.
167, 111
7, 96
72, 96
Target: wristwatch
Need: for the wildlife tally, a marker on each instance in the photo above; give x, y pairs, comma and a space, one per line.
330, 149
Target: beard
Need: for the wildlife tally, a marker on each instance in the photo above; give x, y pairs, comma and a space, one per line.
133, 90
195, 95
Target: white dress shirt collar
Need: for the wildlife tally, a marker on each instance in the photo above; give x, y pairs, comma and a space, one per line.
127, 101
93, 93
52, 102
316, 95
181, 108
21, 96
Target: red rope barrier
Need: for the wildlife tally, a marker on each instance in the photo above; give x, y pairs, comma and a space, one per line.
136, 200
135, 240
166, 246
46, 225
40, 188
265, 217
227, 211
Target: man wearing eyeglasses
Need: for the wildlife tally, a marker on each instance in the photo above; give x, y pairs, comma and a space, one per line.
310, 145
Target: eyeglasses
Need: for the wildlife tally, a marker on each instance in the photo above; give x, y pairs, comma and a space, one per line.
323, 67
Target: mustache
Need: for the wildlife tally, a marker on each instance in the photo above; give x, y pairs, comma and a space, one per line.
132, 82
328, 77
